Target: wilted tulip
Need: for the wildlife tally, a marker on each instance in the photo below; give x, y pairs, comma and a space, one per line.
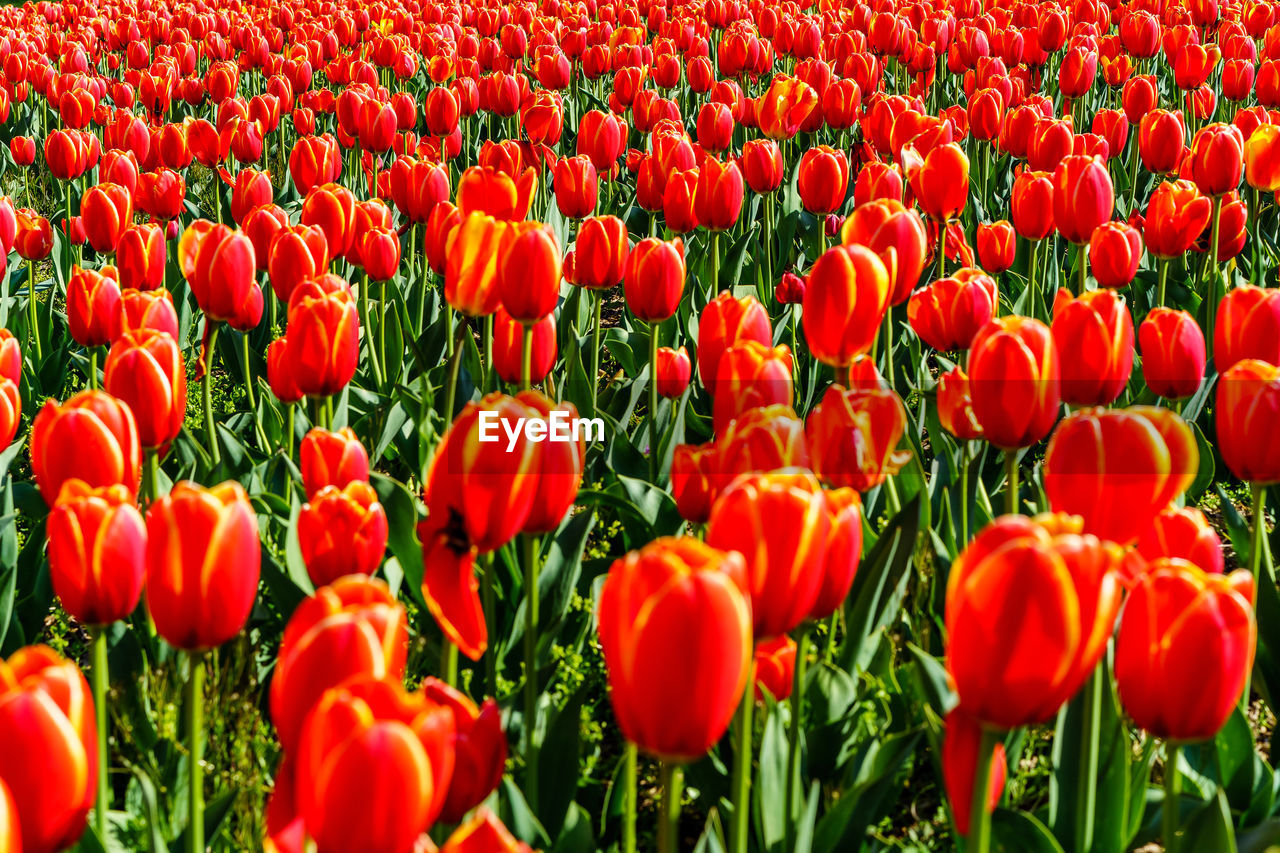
479, 743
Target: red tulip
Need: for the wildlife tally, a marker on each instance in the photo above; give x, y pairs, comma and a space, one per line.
1173, 353
1014, 379
97, 552
145, 370
105, 435
1098, 332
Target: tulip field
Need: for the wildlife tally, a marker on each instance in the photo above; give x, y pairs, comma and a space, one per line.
724, 426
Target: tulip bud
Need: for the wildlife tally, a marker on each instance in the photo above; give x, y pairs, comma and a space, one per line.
674, 370
655, 279
997, 244
775, 666
1173, 353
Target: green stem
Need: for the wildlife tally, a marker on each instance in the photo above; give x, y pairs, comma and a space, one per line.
153, 475
366, 318
888, 345
526, 356
742, 771
979, 817
530, 667
249, 396
768, 243
653, 402
942, 249
1164, 279
1172, 783
1087, 789
33, 330
100, 681
490, 375
1211, 291
715, 262
1133, 174
382, 330
594, 378
1084, 268
489, 604
629, 799
672, 793
195, 766
1011, 481
449, 664
93, 368
796, 703
451, 388
1032, 296
211, 432
964, 495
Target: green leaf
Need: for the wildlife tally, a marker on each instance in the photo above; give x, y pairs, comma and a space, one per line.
1018, 832
877, 586
1210, 828
402, 523
558, 771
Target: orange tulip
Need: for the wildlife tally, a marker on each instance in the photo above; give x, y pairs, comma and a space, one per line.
107, 210
486, 190
822, 179
352, 628
374, 765
480, 745
997, 245
1185, 650
480, 477
960, 757
853, 437
1031, 205
1097, 330
775, 666
296, 253
896, 235
724, 322
97, 551
324, 335
218, 263
105, 435
51, 745
655, 279
786, 105
474, 250
144, 369
203, 559
1083, 196
939, 179
1176, 215
844, 302
1248, 326
1014, 381
331, 459
484, 833
1217, 158
1247, 411
93, 306
670, 596
528, 275
342, 532
750, 374
1115, 250
779, 522
1173, 353
1262, 158
1182, 533
1052, 593
948, 313
600, 253
1118, 468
